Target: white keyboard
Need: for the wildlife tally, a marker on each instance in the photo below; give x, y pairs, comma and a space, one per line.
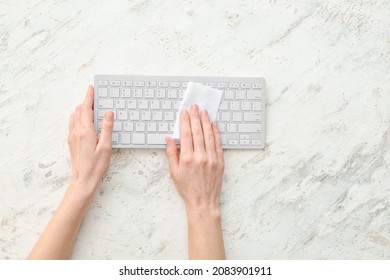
145, 109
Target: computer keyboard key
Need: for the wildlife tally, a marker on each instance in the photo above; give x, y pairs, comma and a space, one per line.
256, 106
143, 104
117, 126
233, 85
122, 115
231, 127
166, 104
115, 83
146, 115
157, 115
237, 116
229, 94
139, 83
102, 83
115, 138
138, 138
245, 106
244, 137
224, 105
253, 94
105, 103
127, 83
102, 92
245, 85
126, 92
234, 105
101, 115
221, 85
221, 127
240, 94
163, 84
223, 139
120, 104
157, 139
140, 126
134, 115
244, 142
256, 127
169, 116
160, 93
137, 92
131, 104
225, 116
151, 84
256, 142
125, 139
149, 93
163, 127
154, 104
151, 126
233, 142
251, 117
114, 92
128, 126
256, 85
172, 93
175, 84
176, 105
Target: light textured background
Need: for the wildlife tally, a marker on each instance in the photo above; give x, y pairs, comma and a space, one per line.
319, 190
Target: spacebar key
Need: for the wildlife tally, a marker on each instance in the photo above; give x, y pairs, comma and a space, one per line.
255, 127
157, 139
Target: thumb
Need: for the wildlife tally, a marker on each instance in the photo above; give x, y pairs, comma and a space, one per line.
172, 155
107, 125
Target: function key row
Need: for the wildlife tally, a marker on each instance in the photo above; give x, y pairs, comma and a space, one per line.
154, 104
176, 84
170, 93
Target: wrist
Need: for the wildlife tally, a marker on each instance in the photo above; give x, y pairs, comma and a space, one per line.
81, 191
205, 213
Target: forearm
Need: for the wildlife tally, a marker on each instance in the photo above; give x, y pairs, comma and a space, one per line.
205, 239
58, 239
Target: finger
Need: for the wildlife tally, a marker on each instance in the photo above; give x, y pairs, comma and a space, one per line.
105, 141
77, 118
70, 134
88, 101
196, 129
185, 133
71, 124
87, 107
218, 142
173, 157
208, 134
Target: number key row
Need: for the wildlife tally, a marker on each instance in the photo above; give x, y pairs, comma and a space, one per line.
140, 126
138, 104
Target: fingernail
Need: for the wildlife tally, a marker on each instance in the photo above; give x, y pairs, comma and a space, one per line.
195, 108
205, 113
109, 115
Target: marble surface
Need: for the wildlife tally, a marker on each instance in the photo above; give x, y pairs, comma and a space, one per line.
319, 190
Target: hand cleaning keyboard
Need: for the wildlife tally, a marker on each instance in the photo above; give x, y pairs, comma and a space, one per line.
145, 109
